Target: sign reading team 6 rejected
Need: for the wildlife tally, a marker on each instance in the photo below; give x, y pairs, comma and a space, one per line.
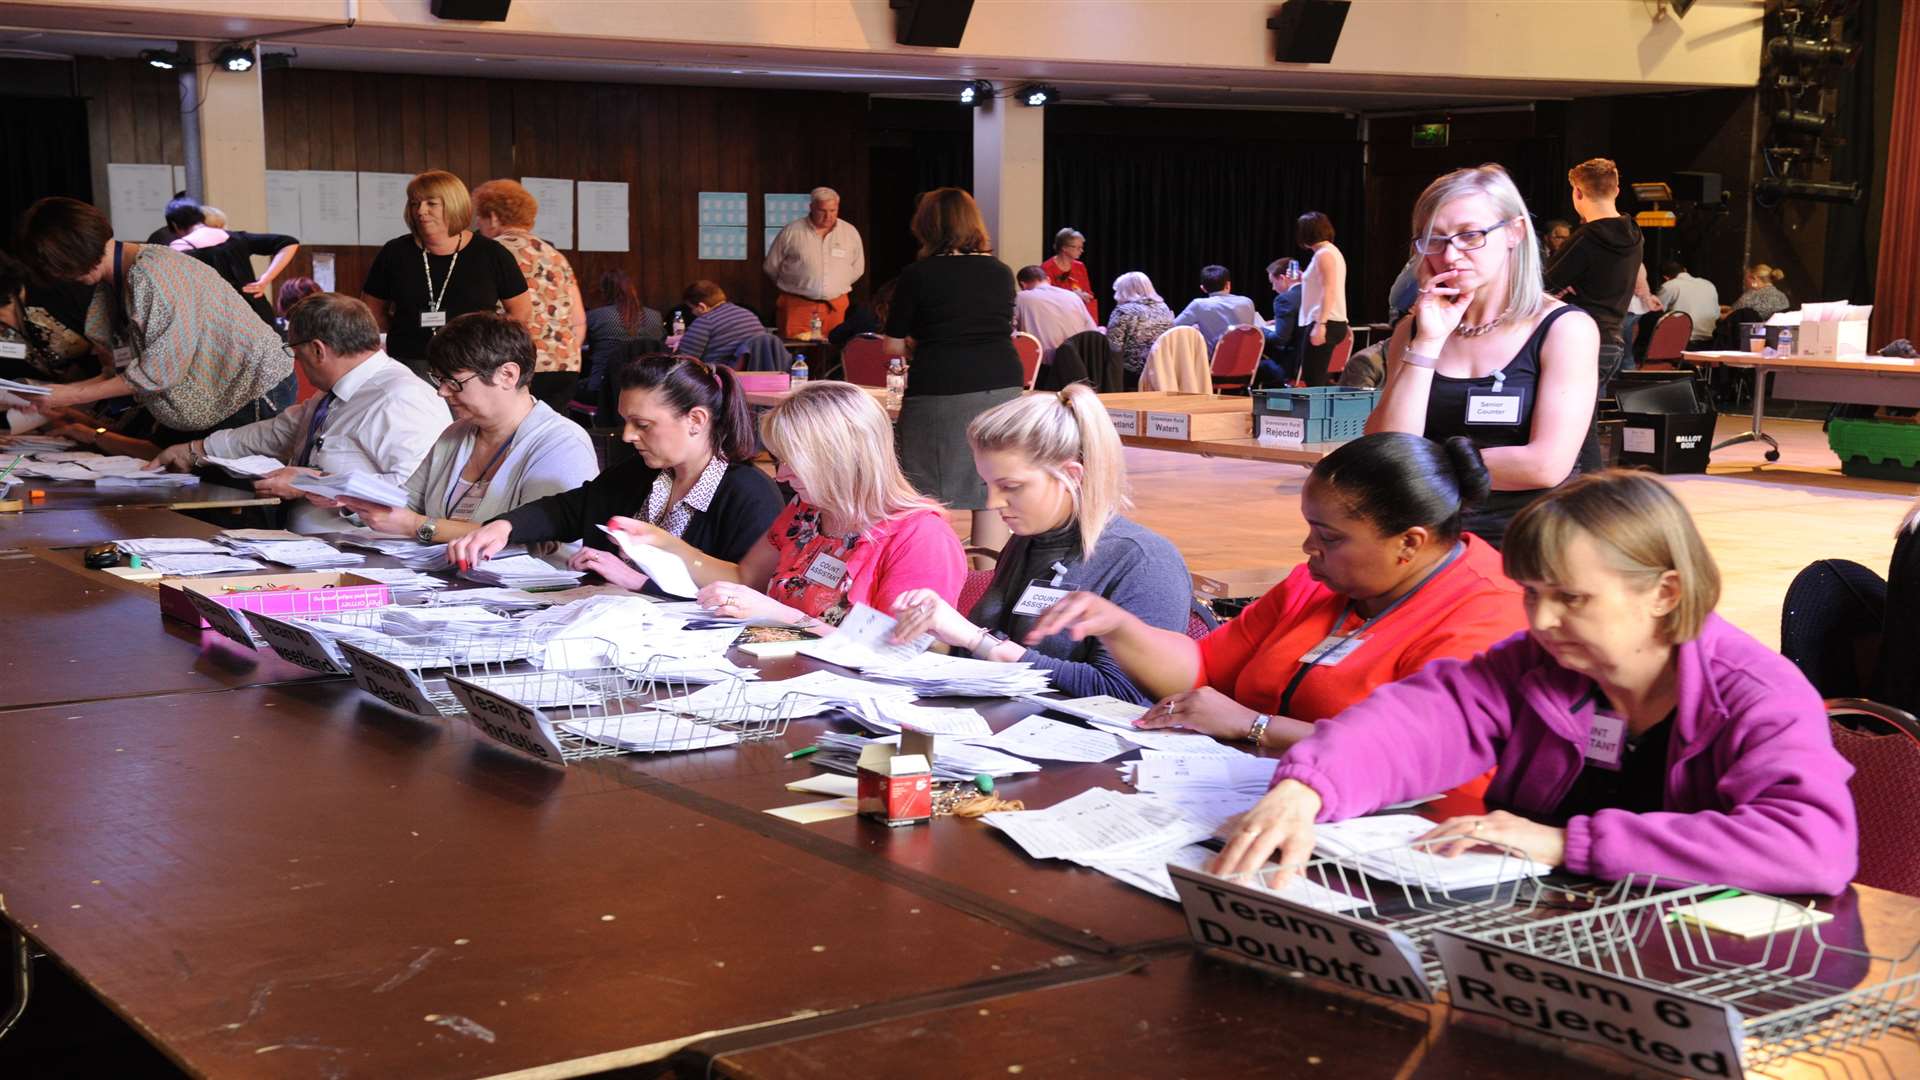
1670, 1031
1280, 933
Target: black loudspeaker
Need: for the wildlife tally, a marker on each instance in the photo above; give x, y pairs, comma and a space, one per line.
1696, 187
471, 10
931, 22
1305, 31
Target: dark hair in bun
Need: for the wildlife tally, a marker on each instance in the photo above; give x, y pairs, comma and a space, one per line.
1396, 481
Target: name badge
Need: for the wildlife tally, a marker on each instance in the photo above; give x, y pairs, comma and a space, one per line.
431, 319
827, 571
1038, 598
123, 354
1332, 649
837, 252
13, 350
1606, 739
1488, 408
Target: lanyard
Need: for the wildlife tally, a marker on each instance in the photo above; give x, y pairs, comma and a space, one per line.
433, 301
454, 494
1300, 675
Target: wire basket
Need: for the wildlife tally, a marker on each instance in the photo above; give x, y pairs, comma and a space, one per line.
1793, 992
408, 671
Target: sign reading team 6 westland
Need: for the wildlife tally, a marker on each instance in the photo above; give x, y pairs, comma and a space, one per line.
1673, 1032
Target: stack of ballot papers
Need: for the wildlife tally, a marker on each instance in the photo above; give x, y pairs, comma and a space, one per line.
1378, 847
440, 619
411, 554
1100, 824
865, 639
953, 759
34, 444
649, 732
1159, 771
1037, 738
401, 580
522, 572
299, 552
184, 557
252, 467
498, 599
146, 479
540, 689
935, 675
367, 487
889, 715
736, 701
24, 389
1150, 875
1117, 716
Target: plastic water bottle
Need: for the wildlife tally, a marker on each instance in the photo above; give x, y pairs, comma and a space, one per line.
813, 327
896, 383
798, 373
679, 324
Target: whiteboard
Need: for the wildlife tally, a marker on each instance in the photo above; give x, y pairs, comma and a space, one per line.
137, 197
283, 202
603, 216
330, 208
383, 204
555, 224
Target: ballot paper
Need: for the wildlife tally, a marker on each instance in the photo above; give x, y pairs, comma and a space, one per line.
1158, 771
195, 565
936, 675
865, 639
1038, 738
953, 759
1150, 875
399, 579
1378, 846
367, 487
497, 598
666, 570
649, 732
145, 479
103, 465
1103, 710
425, 620
539, 690
1099, 824
24, 389
169, 545
740, 701
521, 572
299, 554
895, 713
1213, 807
253, 466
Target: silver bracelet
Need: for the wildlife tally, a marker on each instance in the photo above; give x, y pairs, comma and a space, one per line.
1259, 730
1419, 360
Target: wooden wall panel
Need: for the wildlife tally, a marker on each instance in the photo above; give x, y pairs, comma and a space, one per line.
667, 142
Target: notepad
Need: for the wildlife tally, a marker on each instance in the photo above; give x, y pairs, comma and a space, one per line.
1750, 917
814, 812
826, 784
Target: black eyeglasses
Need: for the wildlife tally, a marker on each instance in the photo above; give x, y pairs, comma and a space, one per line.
1471, 240
290, 346
452, 385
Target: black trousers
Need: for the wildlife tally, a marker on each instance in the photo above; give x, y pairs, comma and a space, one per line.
1315, 358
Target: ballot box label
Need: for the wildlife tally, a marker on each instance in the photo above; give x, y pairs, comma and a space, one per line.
1125, 421
1283, 431
222, 618
524, 730
298, 645
388, 681
1164, 425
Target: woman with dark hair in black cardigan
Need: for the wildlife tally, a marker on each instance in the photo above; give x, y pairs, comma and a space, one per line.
694, 477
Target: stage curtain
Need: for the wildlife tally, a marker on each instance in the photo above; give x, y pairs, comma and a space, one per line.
46, 154
1896, 295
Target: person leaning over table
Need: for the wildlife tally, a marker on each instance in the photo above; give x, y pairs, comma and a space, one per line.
504, 212
855, 532
1487, 354
372, 415
1635, 731
694, 479
182, 342
38, 339
504, 448
1390, 585
1055, 472
440, 268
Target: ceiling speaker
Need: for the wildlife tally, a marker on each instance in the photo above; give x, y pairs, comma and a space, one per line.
1305, 31
471, 10
930, 22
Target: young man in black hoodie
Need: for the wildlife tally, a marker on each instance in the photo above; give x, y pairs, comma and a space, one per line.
1597, 267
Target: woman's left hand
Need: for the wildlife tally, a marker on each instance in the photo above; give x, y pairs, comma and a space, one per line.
387, 520
732, 600
923, 611
58, 396
1542, 843
1205, 710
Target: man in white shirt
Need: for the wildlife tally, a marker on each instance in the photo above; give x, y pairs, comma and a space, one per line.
814, 262
1048, 312
373, 414
1697, 297
1218, 311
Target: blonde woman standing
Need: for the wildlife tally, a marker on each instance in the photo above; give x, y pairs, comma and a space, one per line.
855, 533
1054, 472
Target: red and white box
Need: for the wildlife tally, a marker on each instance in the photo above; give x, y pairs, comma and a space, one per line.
895, 783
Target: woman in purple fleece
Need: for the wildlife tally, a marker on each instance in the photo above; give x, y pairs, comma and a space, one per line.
1635, 731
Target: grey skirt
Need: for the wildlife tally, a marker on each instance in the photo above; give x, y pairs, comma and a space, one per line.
933, 445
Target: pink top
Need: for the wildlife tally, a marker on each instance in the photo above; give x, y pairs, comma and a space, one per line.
824, 575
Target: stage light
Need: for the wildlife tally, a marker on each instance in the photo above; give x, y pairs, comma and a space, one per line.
1809, 51
1827, 191
234, 56
1806, 123
165, 59
1037, 95
976, 93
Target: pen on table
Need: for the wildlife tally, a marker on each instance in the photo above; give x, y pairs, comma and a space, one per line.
802, 752
9, 470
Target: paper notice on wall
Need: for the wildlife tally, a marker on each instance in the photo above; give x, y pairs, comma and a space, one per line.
283, 202
137, 197
783, 207
323, 275
179, 177
602, 207
383, 204
330, 209
555, 222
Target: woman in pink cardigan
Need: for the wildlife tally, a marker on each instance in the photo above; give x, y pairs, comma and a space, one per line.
1635, 731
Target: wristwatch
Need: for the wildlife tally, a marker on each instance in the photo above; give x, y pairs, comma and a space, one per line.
986, 641
425, 532
1259, 729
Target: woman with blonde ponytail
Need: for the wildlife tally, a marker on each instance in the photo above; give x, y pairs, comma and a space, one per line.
1054, 473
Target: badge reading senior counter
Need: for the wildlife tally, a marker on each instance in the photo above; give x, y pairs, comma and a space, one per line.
1484, 407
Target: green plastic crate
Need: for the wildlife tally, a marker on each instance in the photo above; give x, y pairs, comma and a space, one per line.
1879, 449
1332, 413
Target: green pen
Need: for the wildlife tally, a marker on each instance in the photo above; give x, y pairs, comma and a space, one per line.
803, 752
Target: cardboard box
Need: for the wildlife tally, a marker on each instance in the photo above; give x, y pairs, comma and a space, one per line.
1832, 340
280, 595
895, 783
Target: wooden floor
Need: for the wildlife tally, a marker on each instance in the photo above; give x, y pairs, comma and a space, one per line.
1762, 522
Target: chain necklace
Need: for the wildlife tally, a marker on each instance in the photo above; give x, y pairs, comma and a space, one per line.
1482, 329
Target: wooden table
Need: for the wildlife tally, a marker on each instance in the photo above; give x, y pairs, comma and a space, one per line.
1243, 449
1876, 380
278, 883
76, 527
769, 398
74, 495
